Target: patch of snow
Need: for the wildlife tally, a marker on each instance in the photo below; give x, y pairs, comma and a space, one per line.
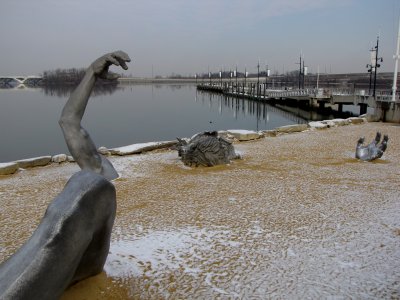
140, 147
160, 250
241, 131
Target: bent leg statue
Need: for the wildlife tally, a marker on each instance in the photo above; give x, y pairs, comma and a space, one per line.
72, 240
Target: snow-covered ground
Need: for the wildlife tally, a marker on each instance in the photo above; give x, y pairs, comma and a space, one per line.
298, 217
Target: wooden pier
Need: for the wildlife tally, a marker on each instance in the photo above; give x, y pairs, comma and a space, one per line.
311, 96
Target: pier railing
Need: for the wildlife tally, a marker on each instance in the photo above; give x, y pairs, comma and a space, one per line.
328, 95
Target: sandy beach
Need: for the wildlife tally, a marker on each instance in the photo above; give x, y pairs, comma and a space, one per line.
298, 217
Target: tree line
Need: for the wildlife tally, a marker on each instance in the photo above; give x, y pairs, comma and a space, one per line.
68, 77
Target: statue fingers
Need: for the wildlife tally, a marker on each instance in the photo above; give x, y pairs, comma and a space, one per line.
377, 137
122, 58
386, 138
111, 59
109, 75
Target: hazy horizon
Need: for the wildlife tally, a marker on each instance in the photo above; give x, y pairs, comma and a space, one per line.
188, 37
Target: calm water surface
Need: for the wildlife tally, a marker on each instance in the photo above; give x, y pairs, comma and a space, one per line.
130, 114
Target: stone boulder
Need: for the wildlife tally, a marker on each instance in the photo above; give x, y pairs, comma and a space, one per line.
340, 122
317, 125
329, 123
104, 151
245, 135
356, 120
8, 168
59, 158
370, 117
224, 134
34, 162
269, 133
292, 128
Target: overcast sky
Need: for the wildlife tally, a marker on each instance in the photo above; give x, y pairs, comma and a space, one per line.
188, 36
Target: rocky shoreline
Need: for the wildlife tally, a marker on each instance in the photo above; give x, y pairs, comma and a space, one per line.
10, 168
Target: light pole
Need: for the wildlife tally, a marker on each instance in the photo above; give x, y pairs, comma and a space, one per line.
236, 77
300, 72
370, 69
376, 63
396, 57
245, 76
258, 76
266, 76
305, 71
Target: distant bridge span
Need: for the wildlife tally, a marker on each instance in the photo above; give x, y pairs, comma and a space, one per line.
20, 79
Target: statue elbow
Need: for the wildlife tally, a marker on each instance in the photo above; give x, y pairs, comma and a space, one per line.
66, 122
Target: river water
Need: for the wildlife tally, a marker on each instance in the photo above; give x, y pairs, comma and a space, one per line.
128, 114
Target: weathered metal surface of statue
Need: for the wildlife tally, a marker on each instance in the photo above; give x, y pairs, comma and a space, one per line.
72, 241
206, 149
77, 138
372, 151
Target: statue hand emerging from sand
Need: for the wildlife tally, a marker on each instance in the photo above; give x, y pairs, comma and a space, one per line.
78, 140
372, 151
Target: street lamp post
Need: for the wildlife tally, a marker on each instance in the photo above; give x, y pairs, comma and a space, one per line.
376, 64
258, 77
230, 78
300, 72
370, 69
305, 72
396, 57
245, 76
236, 78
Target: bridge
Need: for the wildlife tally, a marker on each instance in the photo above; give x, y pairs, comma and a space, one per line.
312, 96
29, 80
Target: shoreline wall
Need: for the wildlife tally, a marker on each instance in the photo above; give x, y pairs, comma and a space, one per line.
9, 168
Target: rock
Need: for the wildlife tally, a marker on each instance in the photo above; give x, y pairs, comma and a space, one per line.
340, 122
59, 158
356, 120
269, 133
104, 151
317, 125
370, 117
329, 123
224, 134
245, 135
8, 168
34, 162
143, 147
292, 128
